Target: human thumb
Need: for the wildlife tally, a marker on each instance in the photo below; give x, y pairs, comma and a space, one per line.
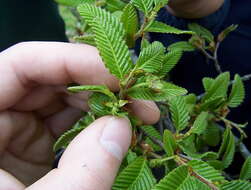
92, 159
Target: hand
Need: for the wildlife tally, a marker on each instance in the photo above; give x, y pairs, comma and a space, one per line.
35, 108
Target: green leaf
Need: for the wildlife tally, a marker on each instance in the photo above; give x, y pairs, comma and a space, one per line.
109, 34
169, 143
246, 169
227, 149
94, 88
219, 87
131, 156
170, 60
192, 183
86, 39
179, 112
66, 138
207, 83
73, 3
206, 171
161, 27
163, 91
153, 132
134, 177
237, 93
182, 46
173, 180
212, 134
129, 19
97, 103
201, 31
144, 5
212, 103
144, 43
115, 5
200, 123
236, 185
226, 32
151, 58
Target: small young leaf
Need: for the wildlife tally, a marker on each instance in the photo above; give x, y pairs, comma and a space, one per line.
227, 148
144, 43
207, 83
161, 27
131, 156
206, 171
115, 5
86, 39
109, 33
212, 103
212, 135
200, 123
237, 93
97, 103
144, 5
179, 112
225, 32
170, 60
236, 185
246, 170
201, 31
94, 88
169, 143
153, 132
135, 176
182, 46
129, 19
173, 180
151, 58
219, 87
160, 91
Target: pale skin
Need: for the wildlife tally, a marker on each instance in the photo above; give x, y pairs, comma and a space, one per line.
35, 108
193, 8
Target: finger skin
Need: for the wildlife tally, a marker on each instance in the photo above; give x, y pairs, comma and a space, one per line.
90, 162
8, 182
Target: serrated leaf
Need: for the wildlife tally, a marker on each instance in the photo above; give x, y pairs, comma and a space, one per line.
207, 83
115, 5
246, 169
169, 143
73, 3
151, 58
219, 87
135, 176
226, 32
129, 19
182, 46
144, 43
179, 112
206, 171
147, 92
212, 134
212, 103
170, 60
173, 180
66, 138
153, 132
218, 165
109, 34
131, 156
227, 149
201, 31
94, 88
192, 183
161, 27
236, 185
143, 5
237, 93
200, 123
97, 103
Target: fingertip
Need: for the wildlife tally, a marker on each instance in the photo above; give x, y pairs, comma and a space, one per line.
145, 110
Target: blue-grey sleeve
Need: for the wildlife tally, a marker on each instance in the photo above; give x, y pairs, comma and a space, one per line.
213, 22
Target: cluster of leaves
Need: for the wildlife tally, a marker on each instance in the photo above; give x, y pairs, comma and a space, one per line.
184, 148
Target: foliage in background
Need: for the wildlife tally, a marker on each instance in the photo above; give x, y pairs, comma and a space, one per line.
195, 143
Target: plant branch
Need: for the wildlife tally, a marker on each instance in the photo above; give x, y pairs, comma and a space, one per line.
156, 141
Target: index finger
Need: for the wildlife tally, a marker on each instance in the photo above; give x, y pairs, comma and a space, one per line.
54, 63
